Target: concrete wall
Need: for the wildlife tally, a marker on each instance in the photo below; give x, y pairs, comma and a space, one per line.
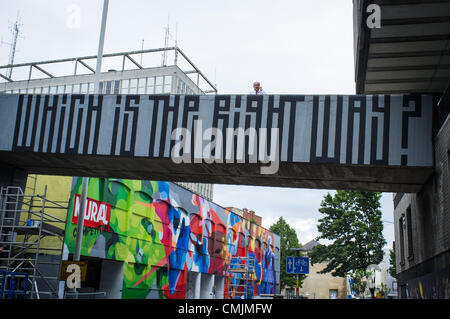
424, 272
58, 190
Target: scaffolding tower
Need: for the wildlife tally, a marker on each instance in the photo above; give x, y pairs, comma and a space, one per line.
25, 265
243, 277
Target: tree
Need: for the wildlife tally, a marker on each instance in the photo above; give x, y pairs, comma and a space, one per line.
393, 266
353, 223
360, 281
288, 239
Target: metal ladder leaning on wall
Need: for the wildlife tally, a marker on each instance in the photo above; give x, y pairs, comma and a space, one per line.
24, 221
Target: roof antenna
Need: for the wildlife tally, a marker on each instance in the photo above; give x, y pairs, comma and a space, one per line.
166, 43
15, 30
142, 49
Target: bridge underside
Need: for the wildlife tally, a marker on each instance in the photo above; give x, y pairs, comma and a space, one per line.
297, 175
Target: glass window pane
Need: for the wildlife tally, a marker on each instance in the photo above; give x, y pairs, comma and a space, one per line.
91, 88
179, 85
150, 85
141, 89
76, 89
133, 86
167, 83
108, 87
45, 90
84, 88
159, 85
53, 90
69, 88
116, 87
100, 87
124, 89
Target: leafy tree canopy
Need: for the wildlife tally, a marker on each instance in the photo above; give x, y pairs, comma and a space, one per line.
353, 224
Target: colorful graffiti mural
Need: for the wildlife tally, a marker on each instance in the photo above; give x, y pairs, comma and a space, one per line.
430, 286
162, 231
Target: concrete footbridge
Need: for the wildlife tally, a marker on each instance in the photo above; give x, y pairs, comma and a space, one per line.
364, 142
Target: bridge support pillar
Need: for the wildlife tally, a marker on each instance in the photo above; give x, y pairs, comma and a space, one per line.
12, 176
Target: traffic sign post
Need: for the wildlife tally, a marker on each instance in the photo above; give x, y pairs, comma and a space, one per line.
297, 265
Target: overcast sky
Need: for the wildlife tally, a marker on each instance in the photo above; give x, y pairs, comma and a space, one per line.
290, 46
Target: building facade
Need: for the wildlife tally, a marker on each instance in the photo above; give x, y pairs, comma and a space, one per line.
422, 224
321, 286
407, 53
149, 239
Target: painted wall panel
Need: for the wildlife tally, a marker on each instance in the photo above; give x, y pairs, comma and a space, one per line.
162, 231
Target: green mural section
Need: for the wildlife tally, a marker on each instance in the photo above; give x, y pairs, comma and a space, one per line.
132, 235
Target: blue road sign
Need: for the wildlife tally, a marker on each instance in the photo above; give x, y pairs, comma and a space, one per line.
290, 265
297, 265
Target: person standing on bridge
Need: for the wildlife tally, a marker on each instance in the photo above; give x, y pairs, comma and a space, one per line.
257, 89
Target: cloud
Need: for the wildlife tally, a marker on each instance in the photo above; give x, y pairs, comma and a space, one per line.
306, 229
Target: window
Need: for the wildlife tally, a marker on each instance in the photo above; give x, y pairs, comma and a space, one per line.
108, 87
116, 87
159, 85
141, 87
133, 86
91, 88
401, 227
409, 231
179, 85
45, 90
333, 293
167, 83
84, 88
76, 89
53, 90
60, 89
125, 86
100, 87
37, 90
150, 85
